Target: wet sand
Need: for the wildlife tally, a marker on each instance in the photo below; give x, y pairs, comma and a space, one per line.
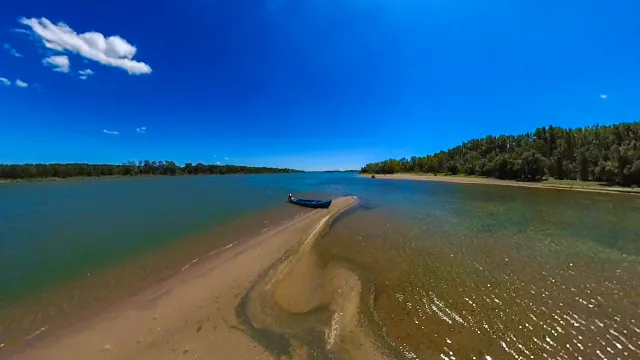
491, 181
220, 306
315, 311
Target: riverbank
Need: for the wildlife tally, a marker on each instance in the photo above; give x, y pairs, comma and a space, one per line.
55, 179
194, 313
551, 184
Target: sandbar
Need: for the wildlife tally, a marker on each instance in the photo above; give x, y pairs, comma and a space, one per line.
194, 314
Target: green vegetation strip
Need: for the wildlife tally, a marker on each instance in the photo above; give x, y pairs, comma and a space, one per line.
604, 154
76, 170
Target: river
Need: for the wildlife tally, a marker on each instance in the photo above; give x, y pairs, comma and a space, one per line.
459, 271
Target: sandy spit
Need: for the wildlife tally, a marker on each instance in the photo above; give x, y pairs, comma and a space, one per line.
194, 314
314, 310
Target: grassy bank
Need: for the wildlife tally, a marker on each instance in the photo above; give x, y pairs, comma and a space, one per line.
550, 184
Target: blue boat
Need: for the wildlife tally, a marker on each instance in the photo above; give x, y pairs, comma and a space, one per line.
315, 204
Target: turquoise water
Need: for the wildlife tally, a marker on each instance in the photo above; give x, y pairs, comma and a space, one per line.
57, 237
460, 270
53, 231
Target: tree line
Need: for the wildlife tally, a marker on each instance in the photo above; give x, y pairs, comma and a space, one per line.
131, 168
607, 154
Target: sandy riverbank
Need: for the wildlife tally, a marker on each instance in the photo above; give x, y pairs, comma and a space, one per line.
219, 307
490, 181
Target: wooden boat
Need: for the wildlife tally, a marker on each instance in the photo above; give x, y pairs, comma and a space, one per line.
315, 204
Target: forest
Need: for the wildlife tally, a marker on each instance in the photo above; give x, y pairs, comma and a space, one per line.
606, 154
131, 168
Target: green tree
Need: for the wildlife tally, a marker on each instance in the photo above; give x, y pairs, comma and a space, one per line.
130, 168
602, 153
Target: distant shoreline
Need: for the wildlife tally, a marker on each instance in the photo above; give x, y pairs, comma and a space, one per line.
58, 171
53, 179
553, 184
13, 181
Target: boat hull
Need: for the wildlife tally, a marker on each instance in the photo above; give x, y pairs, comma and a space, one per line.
314, 204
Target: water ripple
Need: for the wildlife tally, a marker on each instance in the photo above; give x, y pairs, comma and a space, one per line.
476, 277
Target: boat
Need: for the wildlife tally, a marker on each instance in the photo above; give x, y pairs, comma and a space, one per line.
314, 204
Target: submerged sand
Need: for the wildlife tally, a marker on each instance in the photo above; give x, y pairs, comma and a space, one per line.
237, 303
491, 181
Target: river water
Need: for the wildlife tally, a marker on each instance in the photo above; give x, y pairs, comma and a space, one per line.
460, 271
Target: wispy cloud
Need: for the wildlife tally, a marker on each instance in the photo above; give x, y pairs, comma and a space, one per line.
110, 132
604, 96
111, 51
22, 31
141, 130
217, 162
22, 84
226, 158
12, 51
85, 73
58, 62
4, 82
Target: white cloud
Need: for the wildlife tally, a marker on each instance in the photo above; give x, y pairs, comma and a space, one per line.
12, 51
604, 96
226, 158
21, 83
85, 73
58, 62
4, 82
110, 132
111, 51
141, 130
217, 162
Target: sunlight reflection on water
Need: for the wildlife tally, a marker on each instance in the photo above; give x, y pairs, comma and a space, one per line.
492, 273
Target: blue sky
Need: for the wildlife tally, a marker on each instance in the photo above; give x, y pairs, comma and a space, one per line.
309, 84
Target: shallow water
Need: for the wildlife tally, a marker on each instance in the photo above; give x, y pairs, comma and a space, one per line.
456, 271
485, 272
